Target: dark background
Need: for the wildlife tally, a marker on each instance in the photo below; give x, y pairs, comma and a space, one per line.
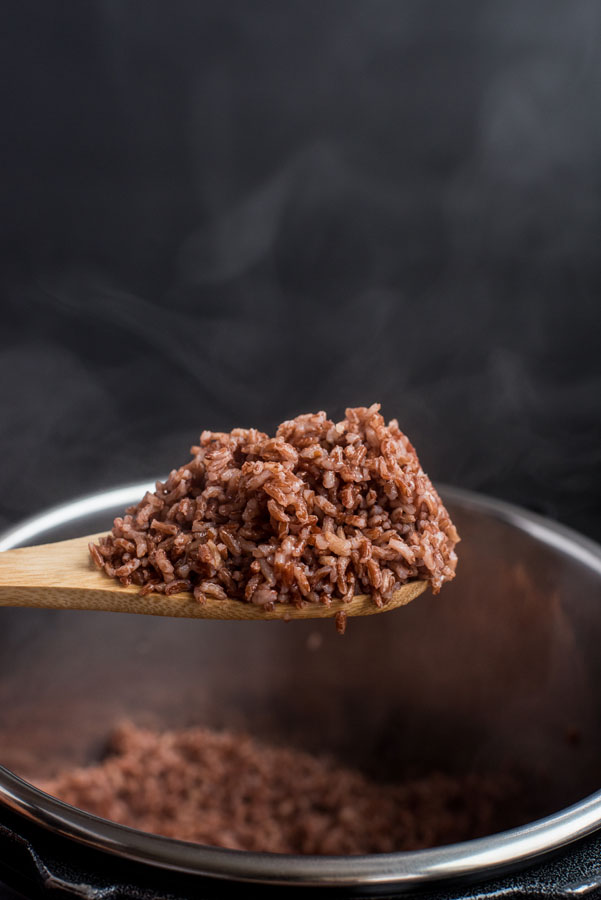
227, 214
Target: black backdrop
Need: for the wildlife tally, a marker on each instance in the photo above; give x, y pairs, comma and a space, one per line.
226, 214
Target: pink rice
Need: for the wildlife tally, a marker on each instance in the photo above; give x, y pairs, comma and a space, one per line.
232, 790
321, 511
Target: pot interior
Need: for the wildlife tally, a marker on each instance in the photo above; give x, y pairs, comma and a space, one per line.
498, 672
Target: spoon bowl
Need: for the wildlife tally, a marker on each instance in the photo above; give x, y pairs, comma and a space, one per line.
62, 576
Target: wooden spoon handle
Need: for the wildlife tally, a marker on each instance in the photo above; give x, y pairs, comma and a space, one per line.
62, 576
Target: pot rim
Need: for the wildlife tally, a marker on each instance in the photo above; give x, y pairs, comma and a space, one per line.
479, 858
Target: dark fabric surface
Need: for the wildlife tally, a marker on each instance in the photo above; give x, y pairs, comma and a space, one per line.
219, 215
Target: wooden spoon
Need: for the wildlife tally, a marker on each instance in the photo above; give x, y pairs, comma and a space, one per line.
62, 576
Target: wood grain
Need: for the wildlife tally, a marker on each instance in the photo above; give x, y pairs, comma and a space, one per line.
62, 576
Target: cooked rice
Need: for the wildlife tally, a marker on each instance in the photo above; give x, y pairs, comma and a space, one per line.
232, 790
321, 511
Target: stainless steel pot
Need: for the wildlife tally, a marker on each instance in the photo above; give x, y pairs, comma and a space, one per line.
501, 670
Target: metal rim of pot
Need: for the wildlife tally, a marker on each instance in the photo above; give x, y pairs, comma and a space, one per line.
481, 858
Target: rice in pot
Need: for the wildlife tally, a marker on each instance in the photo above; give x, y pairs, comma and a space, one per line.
232, 790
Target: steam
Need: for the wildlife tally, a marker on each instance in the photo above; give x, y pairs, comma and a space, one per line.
411, 214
